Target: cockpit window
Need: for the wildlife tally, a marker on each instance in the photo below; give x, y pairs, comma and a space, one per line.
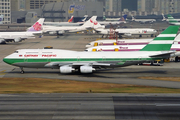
15, 51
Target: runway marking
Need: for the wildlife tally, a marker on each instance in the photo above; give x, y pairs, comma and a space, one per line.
2, 72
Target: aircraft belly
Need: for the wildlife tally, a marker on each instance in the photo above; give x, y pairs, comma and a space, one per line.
31, 64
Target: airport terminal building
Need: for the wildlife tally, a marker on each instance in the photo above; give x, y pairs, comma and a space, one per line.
60, 11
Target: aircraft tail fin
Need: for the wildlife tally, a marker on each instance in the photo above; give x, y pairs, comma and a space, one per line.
90, 22
104, 17
171, 20
133, 19
123, 18
71, 19
163, 41
1, 19
84, 18
37, 26
164, 19
97, 25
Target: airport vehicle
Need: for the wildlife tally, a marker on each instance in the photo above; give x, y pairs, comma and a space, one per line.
32, 32
1, 19
124, 31
121, 20
125, 42
69, 23
143, 20
86, 62
172, 21
61, 30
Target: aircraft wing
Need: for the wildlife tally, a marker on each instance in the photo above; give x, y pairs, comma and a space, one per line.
78, 64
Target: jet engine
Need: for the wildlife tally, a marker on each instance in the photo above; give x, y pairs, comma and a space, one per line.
61, 32
52, 33
17, 39
86, 69
2, 41
66, 69
128, 34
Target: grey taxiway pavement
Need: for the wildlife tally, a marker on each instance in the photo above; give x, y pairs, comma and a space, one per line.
90, 106
126, 75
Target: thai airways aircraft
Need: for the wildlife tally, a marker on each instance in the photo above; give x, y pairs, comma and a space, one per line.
172, 21
86, 62
1, 19
34, 30
121, 20
124, 31
61, 30
110, 42
143, 20
69, 23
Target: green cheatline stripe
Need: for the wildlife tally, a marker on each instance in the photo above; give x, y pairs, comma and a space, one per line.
157, 47
164, 38
13, 61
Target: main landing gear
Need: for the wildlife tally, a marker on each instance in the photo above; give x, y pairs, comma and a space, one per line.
22, 71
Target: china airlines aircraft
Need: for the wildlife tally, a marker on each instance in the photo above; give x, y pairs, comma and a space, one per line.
34, 30
61, 30
68, 61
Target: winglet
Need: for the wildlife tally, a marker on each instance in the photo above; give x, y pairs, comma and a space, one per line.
37, 26
70, 20
163, 41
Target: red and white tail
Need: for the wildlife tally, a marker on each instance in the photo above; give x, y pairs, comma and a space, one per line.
90, 22
71, 19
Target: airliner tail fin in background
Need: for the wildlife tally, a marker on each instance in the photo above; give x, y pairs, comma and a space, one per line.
164, 19
70, 20
133, 19
37, 26
123, 18
90, 22
171, 20
163, 41
84, 18
1, 19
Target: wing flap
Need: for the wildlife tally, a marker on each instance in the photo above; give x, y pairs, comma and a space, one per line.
166, 54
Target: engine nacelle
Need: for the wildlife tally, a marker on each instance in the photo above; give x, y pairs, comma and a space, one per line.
127, 34
2, 41
66, 69
61, 32
17, 39
86, 69
52, 33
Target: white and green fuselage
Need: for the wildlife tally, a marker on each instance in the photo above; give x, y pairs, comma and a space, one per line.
68, 61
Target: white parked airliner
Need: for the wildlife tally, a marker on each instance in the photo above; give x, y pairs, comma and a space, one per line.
33, 31
86, 62
143, 20
124, 31
61, 30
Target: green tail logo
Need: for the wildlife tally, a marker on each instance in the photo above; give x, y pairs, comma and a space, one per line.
171, 19
163, 41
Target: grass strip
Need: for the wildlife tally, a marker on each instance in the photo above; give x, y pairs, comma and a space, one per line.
176, 79
41, 85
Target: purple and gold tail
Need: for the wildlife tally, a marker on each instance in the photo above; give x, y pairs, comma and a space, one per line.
37, 26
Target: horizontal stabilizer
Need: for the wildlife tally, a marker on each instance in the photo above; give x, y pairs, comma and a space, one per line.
166, 54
